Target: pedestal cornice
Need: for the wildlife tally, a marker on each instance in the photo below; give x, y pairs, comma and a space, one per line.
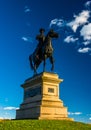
42, 77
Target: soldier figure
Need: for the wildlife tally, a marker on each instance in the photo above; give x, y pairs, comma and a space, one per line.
40, 38
43, 50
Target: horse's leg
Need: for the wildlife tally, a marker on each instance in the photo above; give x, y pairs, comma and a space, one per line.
31, 60
36, 65
52, 62
32, 64
35, 72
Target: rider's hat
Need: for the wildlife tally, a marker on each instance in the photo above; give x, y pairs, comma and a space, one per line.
42, 30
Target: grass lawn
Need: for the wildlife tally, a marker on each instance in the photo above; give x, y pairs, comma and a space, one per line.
43, 125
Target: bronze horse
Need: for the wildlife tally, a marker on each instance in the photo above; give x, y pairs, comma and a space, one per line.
45, 51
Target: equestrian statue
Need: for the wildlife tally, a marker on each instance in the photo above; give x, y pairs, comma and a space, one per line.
43, 50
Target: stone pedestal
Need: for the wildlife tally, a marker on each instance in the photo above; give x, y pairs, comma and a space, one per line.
41, 98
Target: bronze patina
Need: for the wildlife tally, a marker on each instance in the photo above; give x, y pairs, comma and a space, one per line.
43, 50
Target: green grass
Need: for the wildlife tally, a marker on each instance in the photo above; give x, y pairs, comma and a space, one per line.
43, 125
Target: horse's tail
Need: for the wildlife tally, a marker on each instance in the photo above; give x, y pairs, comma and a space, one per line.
31, 62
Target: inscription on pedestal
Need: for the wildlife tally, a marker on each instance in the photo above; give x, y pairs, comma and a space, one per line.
51, 90
32, 92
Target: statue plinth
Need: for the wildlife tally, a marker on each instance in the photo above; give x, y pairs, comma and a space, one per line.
41, 98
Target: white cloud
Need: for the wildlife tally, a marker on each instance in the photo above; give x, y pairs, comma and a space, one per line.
26, 9
69, 39
82, 36
1, 118
25, 39
10, 108
86, 32
84, 50
86, 43
88, 3
80, 19
57, 22
74, 113
90, 118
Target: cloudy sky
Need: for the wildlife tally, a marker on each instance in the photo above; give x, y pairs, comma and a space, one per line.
19, 24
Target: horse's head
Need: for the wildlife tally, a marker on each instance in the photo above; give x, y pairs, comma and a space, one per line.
53, 34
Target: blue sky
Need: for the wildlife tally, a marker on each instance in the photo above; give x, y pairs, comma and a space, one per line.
19, 24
